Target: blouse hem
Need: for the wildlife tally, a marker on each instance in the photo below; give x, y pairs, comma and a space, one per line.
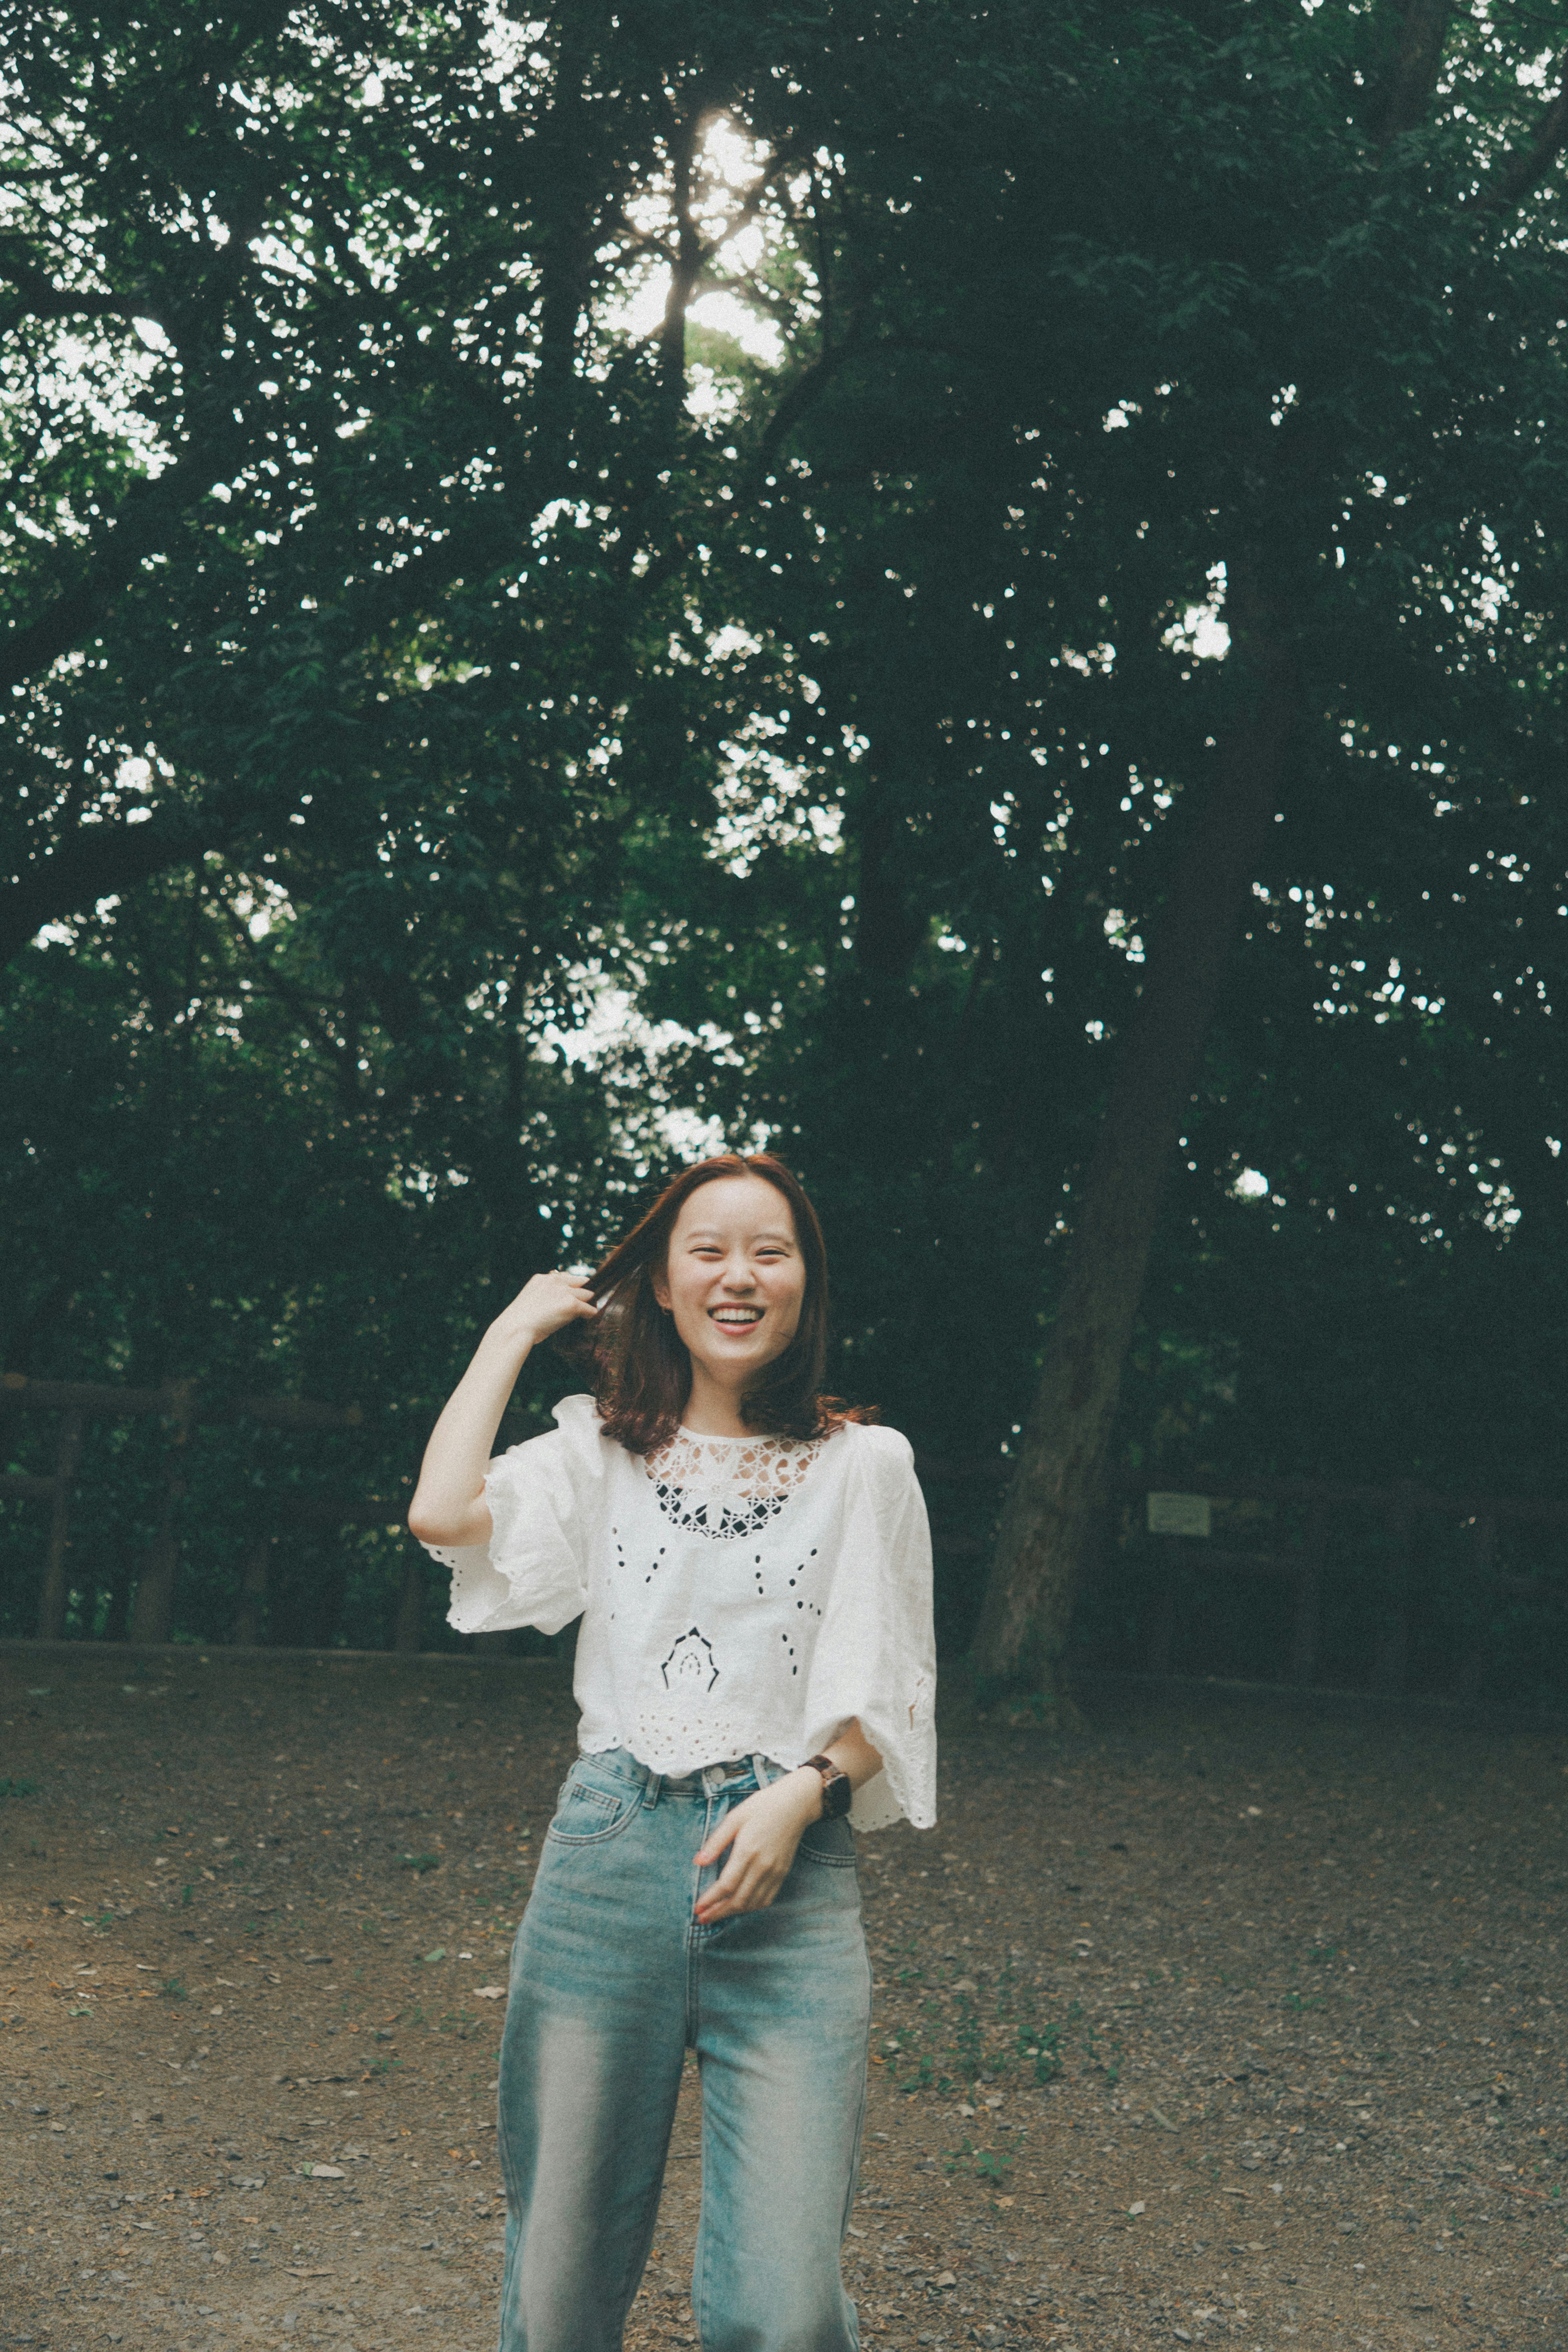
877, 1803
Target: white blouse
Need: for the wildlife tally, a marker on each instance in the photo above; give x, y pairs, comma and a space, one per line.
738, 1595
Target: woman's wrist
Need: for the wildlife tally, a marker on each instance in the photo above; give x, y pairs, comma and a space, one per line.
503, 1351
809, 1791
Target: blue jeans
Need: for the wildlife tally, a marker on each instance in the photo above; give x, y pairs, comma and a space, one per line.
612, 1979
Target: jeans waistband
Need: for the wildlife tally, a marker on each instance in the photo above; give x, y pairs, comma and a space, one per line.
735, 1775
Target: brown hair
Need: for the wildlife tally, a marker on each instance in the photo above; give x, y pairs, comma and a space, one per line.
640, 1367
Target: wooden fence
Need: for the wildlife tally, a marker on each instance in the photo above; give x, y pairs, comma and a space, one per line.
182, 1411
1178, 1527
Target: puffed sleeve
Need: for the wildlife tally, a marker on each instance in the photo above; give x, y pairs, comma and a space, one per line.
542, 1496
875, 1654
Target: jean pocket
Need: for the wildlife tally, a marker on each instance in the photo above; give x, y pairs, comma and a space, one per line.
592, 1805
833, 1842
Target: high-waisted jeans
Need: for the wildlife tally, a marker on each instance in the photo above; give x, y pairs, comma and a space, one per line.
613, 1981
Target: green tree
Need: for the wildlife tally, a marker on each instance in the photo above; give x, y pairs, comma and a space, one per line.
1264, 294
817, 695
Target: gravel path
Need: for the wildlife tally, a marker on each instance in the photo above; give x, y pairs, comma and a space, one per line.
1215, 2024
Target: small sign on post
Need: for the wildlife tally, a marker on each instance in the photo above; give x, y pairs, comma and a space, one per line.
1179, 1514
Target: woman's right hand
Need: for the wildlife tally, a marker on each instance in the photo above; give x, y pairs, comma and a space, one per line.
546, 1303
449, 1505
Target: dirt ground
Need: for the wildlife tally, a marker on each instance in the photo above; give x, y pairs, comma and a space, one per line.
1215, 2023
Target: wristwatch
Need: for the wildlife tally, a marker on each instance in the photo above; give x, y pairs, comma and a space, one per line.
837, 1794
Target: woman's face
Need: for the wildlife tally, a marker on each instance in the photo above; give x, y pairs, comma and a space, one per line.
734, 1279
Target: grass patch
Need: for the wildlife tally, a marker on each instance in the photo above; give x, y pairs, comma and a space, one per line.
954, 2038
982, 2163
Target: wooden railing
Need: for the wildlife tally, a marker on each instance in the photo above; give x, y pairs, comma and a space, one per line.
182, 1411
1398, 1507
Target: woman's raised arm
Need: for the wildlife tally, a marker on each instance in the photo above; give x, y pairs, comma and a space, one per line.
449, 1505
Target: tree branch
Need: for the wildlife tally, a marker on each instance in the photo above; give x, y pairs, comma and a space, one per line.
150, 507
1521, 168
1423, 29
790, 408
335, 1051
138, 528
100, 859
43, 296
685, 262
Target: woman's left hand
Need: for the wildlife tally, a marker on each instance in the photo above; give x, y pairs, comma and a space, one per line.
762, 1833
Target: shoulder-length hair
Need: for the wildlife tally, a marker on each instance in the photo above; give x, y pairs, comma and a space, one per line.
640, 1367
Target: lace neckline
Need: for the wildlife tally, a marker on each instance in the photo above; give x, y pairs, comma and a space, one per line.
727, 1486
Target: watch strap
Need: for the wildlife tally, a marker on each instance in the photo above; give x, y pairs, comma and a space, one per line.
837, 1794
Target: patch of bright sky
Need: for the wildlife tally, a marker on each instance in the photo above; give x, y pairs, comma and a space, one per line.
1200, 633
134, 775
730, 164
613, 1031
1121, 936
612, 1025
762, 795
94, 378
263, 907
762, 803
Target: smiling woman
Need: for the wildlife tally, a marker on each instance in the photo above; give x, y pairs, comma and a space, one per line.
752, 1567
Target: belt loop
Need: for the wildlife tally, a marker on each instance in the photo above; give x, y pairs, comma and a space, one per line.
653, 1783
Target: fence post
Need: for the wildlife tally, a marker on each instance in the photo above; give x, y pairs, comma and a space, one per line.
1163, 1618
1392, 1658
410, 1601
1485, 1540
155, 1593
52, 1592
250, 1618
1309, 1597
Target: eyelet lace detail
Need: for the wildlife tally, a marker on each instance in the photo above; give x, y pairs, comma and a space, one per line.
728, 1487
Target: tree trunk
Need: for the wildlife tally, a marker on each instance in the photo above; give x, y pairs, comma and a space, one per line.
250, 1618
1048, 1522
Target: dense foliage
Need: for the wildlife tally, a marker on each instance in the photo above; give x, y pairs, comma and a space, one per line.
582, 583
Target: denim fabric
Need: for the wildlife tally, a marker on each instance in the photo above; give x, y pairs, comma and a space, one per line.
612, 1979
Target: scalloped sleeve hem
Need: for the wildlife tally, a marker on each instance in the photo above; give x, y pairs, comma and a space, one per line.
533, 1570
876, 1654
